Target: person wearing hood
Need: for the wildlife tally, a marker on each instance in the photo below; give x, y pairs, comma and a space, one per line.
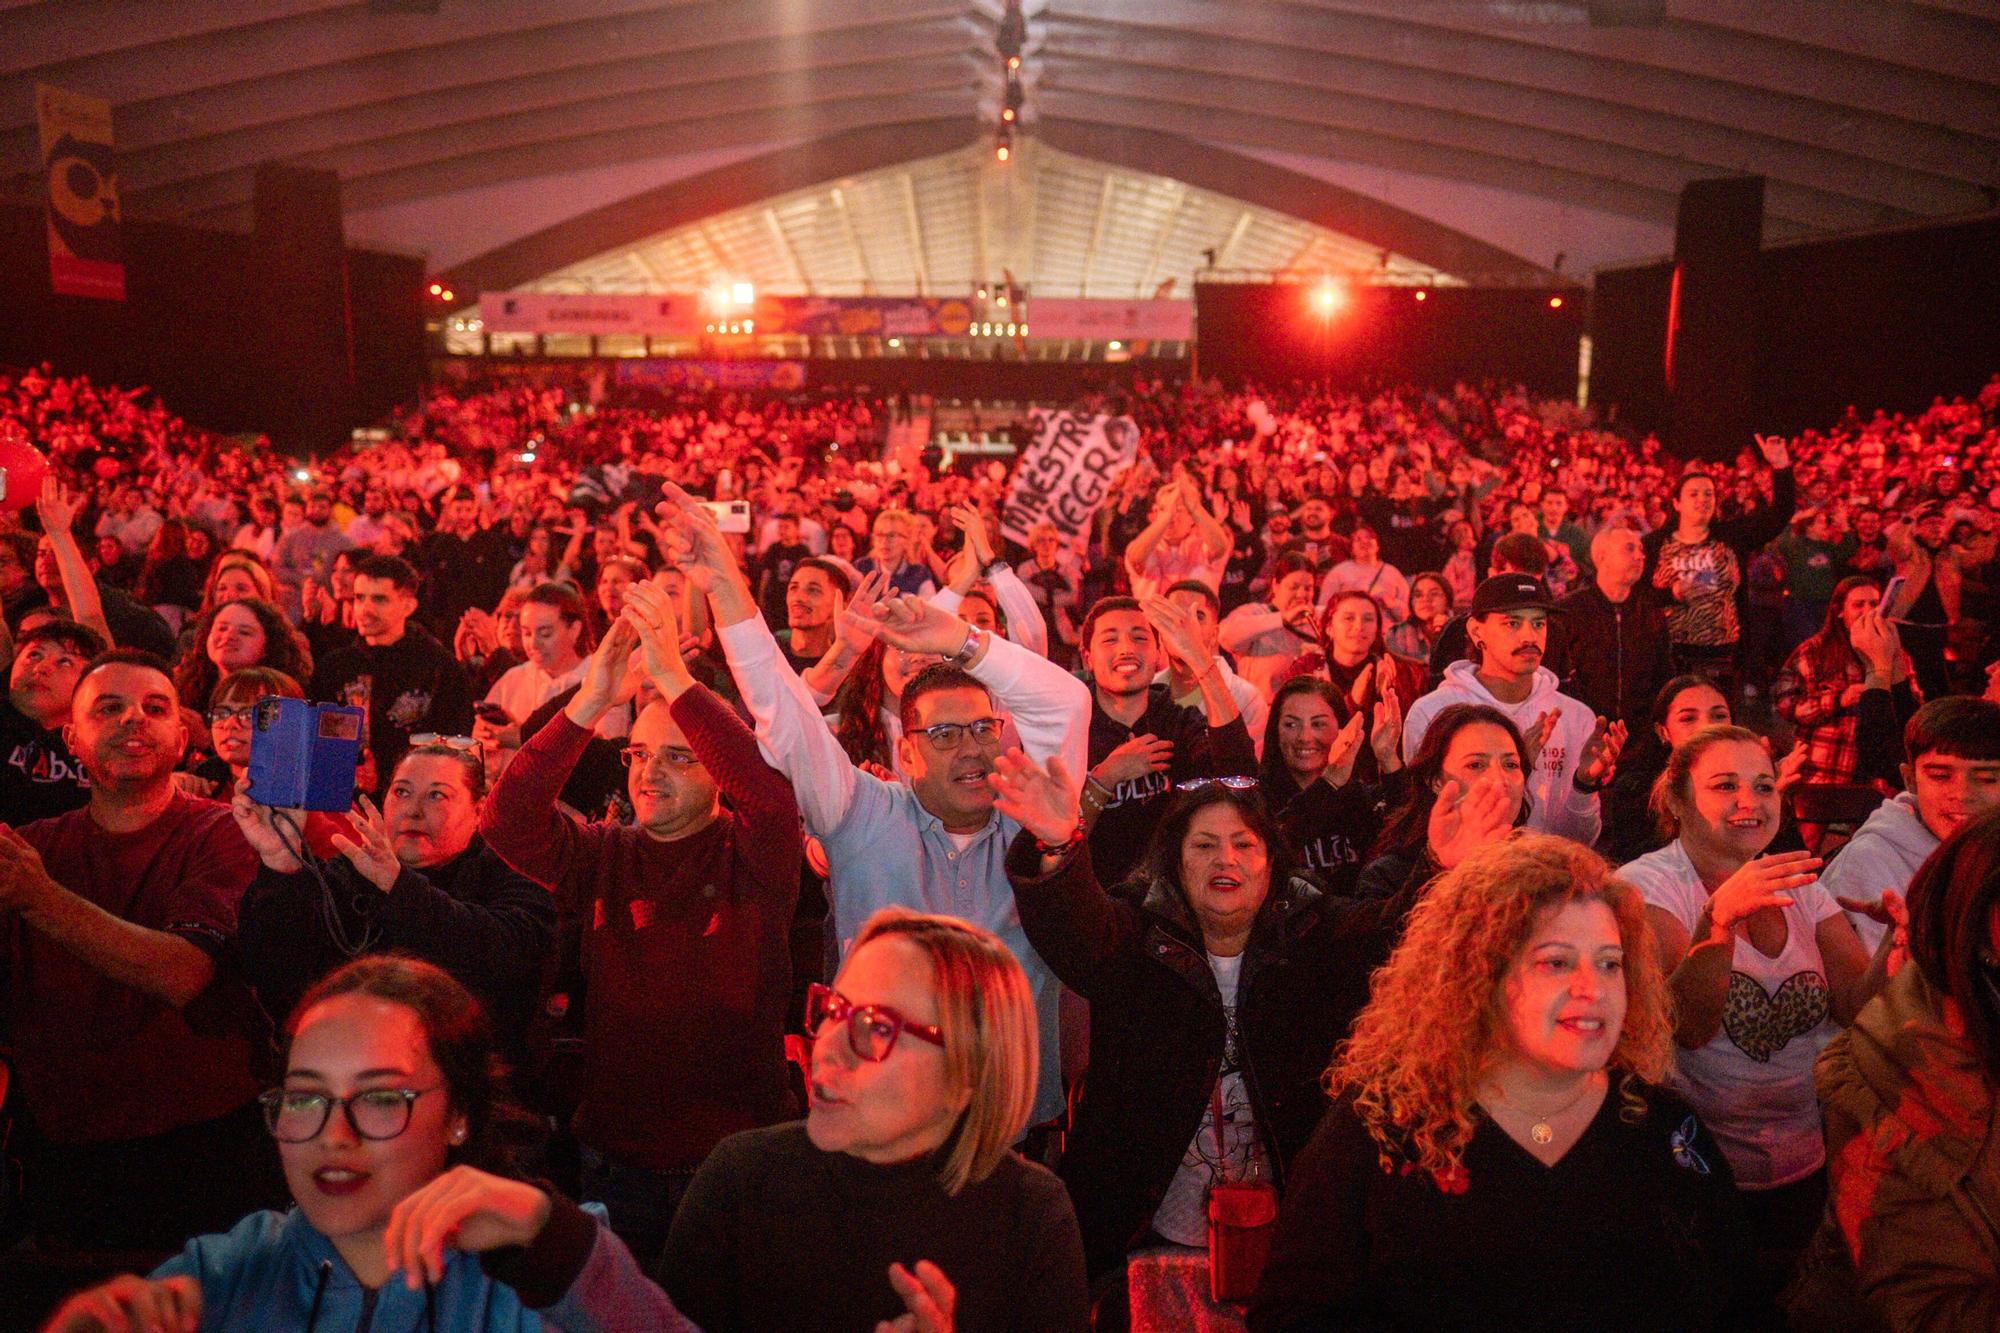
1575, 751
1951, 779
1912, 1098
1221, 987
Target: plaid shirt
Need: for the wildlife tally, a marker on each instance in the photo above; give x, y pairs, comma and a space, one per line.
1811, 702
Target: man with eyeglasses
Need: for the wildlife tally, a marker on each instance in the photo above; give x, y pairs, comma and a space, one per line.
685, 917
136, 1040
933, 843
39, 777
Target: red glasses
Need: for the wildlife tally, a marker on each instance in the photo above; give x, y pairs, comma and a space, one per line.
872, 1029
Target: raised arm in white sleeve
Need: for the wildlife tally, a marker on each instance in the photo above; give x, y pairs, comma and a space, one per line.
1050, 707
790, 731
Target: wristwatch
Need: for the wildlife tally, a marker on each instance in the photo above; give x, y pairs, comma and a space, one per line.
975, 637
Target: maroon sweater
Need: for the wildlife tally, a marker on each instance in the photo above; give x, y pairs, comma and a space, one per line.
686, 953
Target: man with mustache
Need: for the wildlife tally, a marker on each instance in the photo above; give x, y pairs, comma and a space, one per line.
933, 842
1574, 750
136, 1039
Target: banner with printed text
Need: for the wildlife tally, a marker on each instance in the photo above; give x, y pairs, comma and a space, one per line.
86, 251
1066, 473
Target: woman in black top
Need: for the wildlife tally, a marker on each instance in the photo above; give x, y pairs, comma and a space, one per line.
1228, 980
1498, 1154
1308, 775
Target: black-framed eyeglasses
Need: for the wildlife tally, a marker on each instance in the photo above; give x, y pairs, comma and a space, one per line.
640, 757
222, 713
872, 1029
296, 1116
423, 738
1233, 782
948, 736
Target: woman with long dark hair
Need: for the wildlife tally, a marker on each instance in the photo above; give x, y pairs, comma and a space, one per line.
1466, 785
1330, 815
237, 634
1353, 653
1819, 690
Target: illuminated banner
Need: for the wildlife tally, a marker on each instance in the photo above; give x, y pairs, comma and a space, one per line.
86, 253
863, 316
781, 376
1067, 472
1054, 317
563, 312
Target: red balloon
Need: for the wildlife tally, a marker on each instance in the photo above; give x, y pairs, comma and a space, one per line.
23, 467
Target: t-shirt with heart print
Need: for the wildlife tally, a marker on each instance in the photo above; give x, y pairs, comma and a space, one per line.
1753, 1082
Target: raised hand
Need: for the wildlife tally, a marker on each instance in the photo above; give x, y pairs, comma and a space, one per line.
699, 546
1178, 635
372, 852
1538, 735
1041, 800
1464, 821
1134, 759
1599, 759
1385, 734
129, 1304
57, 506
928, 1296
654, 619
856, 626
262, 835
464, 1209
1346, 748
1759, 884
607, 682
915, 626
1792, 768
1776, 451
977, 541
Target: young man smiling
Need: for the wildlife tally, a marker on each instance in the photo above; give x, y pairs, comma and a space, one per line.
1575, 752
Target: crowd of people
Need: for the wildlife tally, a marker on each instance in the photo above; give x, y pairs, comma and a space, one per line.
1500, 871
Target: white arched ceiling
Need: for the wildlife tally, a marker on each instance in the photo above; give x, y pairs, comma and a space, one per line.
502, 135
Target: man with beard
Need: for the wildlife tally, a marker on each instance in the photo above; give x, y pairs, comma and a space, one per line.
405, 680
39, 778
369, 525
1574, 752
307, 552
136, 1043
1142, 743
685, 916
815, 594
933, 843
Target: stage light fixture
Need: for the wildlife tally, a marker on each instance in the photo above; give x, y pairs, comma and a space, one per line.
445, 295
1555, 303
1423, 296
743, 294
437, 289
1328, 296
1115, 345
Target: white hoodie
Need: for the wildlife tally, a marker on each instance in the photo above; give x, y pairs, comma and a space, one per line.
1884, 853
1556, 805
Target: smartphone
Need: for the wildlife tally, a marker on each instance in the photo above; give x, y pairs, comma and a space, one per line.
730, 515
1889, 593
491, 713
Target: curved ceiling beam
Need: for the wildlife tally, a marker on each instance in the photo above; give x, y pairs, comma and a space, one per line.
655, 113
29, 38
771, 66
1668, 163
1825, 152
1951, 44
489, 167
631, 221
773, 174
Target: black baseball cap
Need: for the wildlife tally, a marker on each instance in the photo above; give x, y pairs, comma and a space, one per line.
1510, 592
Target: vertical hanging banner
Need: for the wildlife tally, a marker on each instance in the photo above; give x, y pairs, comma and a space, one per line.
1067, 471
86, 253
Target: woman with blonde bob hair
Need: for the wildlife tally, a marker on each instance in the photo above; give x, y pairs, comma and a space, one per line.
1498, 1120
898, 1197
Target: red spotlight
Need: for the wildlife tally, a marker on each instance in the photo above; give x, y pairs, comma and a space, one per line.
1003, 152
437, 289
1555, 303
1329, 296
445, 295
1423, 296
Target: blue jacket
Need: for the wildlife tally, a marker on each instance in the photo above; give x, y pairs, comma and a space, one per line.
274, 1270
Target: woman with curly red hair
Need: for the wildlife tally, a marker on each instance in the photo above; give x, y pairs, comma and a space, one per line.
1499, 1153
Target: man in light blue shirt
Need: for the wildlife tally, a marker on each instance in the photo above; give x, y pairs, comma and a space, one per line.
933, 843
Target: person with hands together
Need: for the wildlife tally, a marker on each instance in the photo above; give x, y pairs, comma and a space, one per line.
976, 562
685, 912
1822, 684
394, 1134
412, 877
1309, 778
1465, 787
1764, 969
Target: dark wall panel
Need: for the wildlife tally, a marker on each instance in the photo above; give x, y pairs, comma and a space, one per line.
1711, 347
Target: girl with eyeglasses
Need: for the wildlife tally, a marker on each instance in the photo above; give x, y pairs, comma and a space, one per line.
899, 1198
394, 1131
1216, 990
